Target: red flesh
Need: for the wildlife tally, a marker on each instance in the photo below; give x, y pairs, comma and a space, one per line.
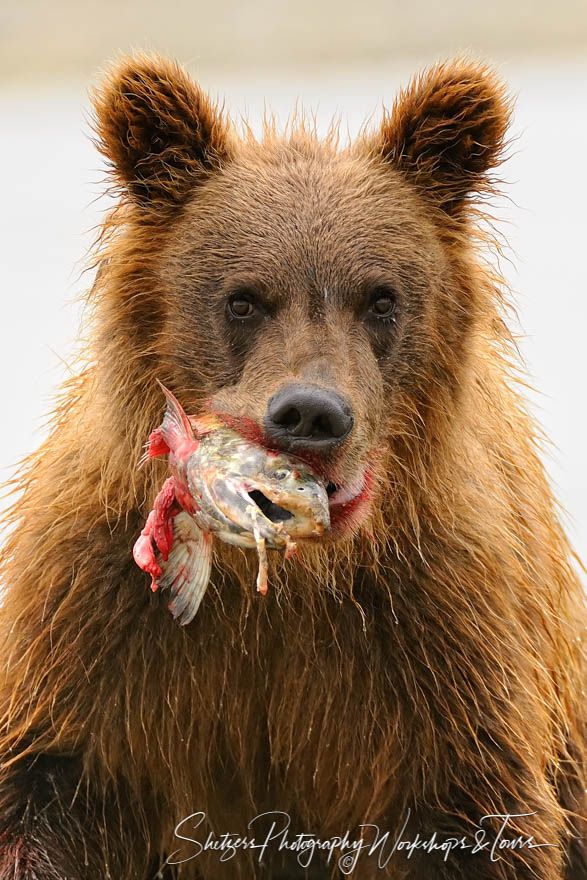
156, 445
158, 532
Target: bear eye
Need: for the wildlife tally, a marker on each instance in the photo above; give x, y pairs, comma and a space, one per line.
383, 305
242, 306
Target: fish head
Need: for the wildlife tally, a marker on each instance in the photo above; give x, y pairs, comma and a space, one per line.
288, 492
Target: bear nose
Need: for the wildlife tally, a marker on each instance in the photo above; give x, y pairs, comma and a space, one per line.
308, 417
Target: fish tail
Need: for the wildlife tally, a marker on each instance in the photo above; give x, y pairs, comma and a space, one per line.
175, 427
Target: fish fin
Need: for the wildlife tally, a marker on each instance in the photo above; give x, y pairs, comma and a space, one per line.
187, 571
176, 426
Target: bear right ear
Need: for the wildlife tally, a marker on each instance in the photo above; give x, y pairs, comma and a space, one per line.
446, 132
158, 129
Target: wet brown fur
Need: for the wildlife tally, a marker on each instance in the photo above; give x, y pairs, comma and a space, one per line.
431, 660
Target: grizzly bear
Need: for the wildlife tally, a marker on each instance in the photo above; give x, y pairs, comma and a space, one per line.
407, 700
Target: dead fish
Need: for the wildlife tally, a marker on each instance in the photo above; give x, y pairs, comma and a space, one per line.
222, 485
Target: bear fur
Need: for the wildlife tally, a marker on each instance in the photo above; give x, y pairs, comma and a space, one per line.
426, 665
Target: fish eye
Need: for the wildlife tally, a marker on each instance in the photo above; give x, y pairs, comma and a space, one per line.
280, 474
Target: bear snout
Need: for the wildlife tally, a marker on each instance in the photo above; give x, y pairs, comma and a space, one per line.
308, 418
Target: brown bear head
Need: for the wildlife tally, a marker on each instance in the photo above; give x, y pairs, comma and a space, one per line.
325, 298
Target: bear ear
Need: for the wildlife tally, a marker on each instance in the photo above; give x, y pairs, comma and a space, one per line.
446, 131
158, 130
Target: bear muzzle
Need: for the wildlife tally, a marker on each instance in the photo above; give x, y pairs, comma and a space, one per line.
304, 418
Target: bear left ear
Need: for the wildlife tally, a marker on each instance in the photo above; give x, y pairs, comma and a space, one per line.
158, 129
446, 131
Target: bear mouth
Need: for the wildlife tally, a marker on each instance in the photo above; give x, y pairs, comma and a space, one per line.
349, 504
268, 508
345, 494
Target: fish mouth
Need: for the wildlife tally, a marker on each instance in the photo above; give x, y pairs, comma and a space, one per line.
342, 500
273, 512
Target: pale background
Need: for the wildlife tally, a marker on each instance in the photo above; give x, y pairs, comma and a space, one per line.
335, 57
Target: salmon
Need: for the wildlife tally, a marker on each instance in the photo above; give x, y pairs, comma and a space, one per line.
221, 486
